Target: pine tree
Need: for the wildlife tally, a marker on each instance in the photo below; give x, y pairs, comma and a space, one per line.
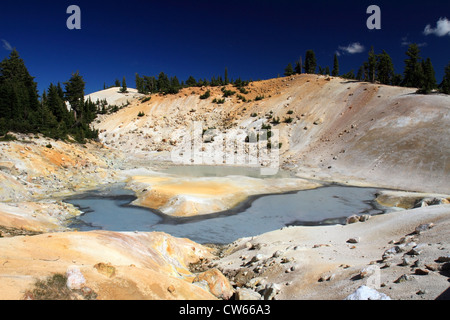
124, 88
163, 82
191, 82
428, 77
57, 106
310, 62
413, 68
140, 84
19, 99
288, 71
74, 94
174, 85
360, 74
298, 66
117, 83
445, 84
372, 65
385, 68
226, 77
335, 72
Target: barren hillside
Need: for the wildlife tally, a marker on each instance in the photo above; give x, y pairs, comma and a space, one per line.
343, 131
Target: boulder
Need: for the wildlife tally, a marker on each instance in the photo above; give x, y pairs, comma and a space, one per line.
75, 279
246, 294
366, 293
218, 284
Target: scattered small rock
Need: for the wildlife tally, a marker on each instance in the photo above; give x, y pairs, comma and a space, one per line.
271, 291
403, 278
423, 227
390, 253
171, 289
246, 294
354, 240
416, 250
368, 271
352, 219
443, 259
421, 272
406, 261
421, 292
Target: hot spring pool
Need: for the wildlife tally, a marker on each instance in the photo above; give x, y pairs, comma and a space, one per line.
111, 210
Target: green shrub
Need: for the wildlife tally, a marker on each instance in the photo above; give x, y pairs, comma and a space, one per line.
290, 112
141, 114
243, 90
288, 120
55, 288
146, 99
206, 95
8, 137
254, 115
259, 98
228, 93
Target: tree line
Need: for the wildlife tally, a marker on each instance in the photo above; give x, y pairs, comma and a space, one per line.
60, 113
172, 85
418, 72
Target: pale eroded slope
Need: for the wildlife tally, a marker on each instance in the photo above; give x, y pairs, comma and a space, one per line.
341, 130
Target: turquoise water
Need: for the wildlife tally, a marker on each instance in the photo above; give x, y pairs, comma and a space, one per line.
111, 210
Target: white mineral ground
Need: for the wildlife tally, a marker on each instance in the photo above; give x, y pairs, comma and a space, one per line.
353, 133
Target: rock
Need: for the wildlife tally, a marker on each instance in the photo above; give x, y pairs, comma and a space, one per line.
218, 284
354, 240
277, 254
406, 261
368, 271
432, 266
430, 202
246, 294
171, 289
352, 219
403, 278
364, 217
75, 279
366, 293
421, 291
106, 269
422, 272
423, 227
257, 258
389, 253
416, 250
318, 121
443, 259
271, 291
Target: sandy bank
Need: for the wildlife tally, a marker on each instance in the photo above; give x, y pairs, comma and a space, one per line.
189, 196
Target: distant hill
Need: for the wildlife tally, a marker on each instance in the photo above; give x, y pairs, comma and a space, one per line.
114, 97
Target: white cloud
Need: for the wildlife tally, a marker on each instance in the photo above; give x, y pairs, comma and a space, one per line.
7, 45
352, 48
442, 28
406, 43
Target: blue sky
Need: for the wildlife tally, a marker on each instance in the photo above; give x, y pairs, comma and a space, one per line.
253, 39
